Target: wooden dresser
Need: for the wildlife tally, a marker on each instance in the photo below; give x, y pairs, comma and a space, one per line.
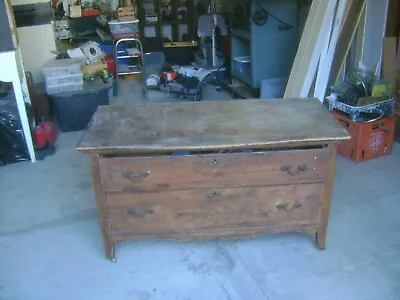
202, 170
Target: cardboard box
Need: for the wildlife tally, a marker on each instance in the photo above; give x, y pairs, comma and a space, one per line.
75, 11
127, 13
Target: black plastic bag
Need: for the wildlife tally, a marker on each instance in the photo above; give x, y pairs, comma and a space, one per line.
12, 141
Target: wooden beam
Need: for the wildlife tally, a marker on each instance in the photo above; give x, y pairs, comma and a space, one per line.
374, 32
389, 59
325, 64
345, 39
360, 39
314, 36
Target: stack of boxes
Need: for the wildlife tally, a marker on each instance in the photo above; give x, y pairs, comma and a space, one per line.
373, 138
127, 10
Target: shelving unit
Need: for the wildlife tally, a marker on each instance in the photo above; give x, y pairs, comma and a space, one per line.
133, 60
168, 21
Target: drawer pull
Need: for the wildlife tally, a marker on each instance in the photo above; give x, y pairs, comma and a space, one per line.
215, 194
138, 215
300, 168
285, 206
214, 162
135, 178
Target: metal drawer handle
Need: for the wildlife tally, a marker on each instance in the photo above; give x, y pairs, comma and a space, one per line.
214, 194
214, 162
300, 168
285, 206
135, 178
138, 215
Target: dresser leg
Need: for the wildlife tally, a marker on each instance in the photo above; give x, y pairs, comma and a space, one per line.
101, 206
109, 248
320, 237
326, 199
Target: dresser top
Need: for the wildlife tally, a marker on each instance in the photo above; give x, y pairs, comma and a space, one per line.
211, 125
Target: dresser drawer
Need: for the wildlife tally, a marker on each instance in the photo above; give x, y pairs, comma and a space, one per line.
286, 207
214, 170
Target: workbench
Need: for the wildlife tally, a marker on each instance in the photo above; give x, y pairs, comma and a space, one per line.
203, 170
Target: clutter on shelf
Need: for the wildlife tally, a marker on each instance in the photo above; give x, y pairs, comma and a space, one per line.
86, 8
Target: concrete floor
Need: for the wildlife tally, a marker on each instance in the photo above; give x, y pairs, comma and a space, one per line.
51, 247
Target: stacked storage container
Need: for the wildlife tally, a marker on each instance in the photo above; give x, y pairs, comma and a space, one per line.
63, 75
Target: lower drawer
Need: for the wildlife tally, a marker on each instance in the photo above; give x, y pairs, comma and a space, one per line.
280, 207
162, 173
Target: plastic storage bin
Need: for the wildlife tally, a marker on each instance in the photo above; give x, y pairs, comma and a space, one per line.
273, 88
368, 140
63, 75
242, 65
58, 67
64, 83
75, 109
125, 27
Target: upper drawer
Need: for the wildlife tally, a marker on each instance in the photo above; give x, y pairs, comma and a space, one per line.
214, 170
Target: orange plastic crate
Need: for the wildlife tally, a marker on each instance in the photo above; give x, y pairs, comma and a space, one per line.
368, 140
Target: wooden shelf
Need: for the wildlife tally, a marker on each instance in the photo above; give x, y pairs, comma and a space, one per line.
176, 32
167, 22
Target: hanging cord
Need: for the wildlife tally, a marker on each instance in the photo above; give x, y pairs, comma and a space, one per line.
260, 17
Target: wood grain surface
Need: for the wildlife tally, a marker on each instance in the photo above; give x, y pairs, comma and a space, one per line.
163, 173
247, 207
210, 125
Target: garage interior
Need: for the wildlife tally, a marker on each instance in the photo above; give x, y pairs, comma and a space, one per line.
205, 153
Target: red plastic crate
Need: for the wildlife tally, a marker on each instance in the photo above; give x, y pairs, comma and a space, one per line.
368, 140
90, 12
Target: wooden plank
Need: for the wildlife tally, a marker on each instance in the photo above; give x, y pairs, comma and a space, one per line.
326, 64
393, 18
389, 59
203, 209
345, 39
360, 39
375, 22
166, 173
311, 43
212, 125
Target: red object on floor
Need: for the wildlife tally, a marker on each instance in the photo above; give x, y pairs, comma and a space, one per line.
169, 75
368, 140
90, 12
110, 64
45, 133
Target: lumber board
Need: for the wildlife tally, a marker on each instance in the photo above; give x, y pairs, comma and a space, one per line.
345, 39
325, 64
310, 47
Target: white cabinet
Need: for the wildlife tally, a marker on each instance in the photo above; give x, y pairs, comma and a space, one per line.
38, 45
